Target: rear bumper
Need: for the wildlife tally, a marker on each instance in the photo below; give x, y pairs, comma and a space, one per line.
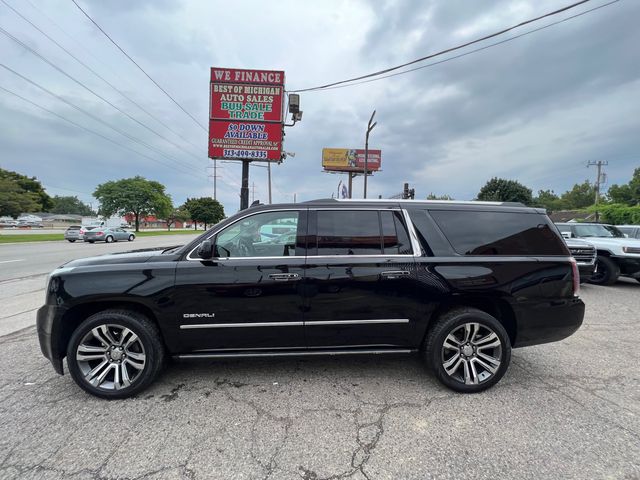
48, 322
548, 321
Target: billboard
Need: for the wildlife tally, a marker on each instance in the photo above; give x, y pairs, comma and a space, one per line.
246, 114
350, 160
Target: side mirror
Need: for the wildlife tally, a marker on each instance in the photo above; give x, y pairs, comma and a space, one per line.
566, 234
205, 250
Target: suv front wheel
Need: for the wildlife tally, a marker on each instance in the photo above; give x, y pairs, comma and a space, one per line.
115, 353
468, 350
606, 273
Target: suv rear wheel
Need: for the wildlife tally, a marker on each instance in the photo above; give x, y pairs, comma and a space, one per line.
606, 273
115, 353
468, 350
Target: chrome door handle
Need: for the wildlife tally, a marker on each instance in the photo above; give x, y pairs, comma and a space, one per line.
395, 274
284, 277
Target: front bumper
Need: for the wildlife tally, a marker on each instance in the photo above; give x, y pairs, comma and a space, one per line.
48, 322
586, 271
548, 321
629, 266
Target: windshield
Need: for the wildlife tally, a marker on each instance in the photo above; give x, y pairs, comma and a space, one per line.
598, 231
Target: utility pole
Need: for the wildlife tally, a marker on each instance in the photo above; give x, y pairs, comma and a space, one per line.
599, 181
366, 151
253, 192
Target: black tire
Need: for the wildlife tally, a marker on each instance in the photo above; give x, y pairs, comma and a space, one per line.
452, 322
71, 240
108, 239
91, 241
131, 237
607, 272
149, 343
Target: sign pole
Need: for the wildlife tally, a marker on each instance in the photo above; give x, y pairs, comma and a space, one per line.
366, 151
244, 190
350, 183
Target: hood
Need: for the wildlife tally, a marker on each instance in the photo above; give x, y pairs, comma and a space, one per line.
613, 241
132, 256
577, 243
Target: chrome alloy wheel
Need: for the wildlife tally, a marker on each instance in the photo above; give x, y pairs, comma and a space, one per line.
111, 357
471, 353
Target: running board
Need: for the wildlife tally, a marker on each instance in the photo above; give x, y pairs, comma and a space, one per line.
301, 353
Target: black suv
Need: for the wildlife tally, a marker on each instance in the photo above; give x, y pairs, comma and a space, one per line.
461, 283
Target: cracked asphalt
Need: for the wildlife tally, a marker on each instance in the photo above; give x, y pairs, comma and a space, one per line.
564, 410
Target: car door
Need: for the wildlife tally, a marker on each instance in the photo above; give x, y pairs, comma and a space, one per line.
249, 295
360, 277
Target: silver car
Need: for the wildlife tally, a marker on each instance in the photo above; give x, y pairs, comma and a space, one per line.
73, 233
106, 234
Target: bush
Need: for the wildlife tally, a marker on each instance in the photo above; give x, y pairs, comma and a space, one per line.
618, 214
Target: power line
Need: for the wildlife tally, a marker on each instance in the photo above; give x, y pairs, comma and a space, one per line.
442, 52
97, 74
471, 51
53, 65
142, 69
97, 119
92, 131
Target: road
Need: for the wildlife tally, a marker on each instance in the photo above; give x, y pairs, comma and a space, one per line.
24, 267
566, 410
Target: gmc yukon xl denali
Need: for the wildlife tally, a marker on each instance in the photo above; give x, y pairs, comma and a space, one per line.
459, 283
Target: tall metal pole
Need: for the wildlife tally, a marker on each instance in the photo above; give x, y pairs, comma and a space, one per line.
244, 189
366, 151
215, 178
269, 178
350, 184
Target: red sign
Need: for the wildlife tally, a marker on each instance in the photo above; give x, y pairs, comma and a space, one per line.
245, 140
245, 112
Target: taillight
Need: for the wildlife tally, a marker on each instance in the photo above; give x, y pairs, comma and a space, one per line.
100, 233
576, 276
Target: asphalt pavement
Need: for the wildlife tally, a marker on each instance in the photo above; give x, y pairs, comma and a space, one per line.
564, 410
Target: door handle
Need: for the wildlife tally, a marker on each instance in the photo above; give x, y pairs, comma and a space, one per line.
395, 274
284, 277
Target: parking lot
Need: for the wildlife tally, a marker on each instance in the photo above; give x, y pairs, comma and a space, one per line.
564, 410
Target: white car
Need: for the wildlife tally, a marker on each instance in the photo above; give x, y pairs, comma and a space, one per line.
618, 255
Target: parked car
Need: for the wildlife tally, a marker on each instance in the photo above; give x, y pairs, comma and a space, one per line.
8, 223
585, 255
630, 231
29, 224
617, 254
108, 235
73, 233
460, 283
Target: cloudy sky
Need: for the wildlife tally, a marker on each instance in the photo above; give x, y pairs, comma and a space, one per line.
535, 109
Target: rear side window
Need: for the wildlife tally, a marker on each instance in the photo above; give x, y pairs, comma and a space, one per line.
498, 233
345, 232
395, 239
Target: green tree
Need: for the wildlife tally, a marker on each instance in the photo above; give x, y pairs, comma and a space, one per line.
628, 194
71, 205
205, 210
580, 196
432, 196
14, 200
549, 200
503, 190
179, 214
137, 196
618, 213
26, 185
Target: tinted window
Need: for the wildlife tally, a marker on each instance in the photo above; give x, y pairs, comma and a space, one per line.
345, 232
586, 231
498, 233
269, 234
395, 239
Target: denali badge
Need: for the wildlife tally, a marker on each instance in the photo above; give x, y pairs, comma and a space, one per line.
198, 315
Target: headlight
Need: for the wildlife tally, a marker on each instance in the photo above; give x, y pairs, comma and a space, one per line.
631, 249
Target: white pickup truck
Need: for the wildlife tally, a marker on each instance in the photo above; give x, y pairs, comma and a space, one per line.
617, 254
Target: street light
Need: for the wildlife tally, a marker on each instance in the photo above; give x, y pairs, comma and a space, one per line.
366, 150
